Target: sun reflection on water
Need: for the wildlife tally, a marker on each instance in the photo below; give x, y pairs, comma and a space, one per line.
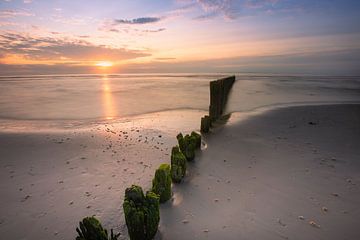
108, 102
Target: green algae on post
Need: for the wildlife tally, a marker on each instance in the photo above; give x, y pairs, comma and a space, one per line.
91, 229
178, 165
196, 138
161, 183
142, 214
187, 146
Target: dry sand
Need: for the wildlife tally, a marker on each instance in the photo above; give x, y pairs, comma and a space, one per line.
290, 173
265, 176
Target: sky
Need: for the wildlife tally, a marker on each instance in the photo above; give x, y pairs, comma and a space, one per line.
180, 36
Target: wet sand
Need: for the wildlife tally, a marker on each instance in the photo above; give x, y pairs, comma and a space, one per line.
266, 175
290, 173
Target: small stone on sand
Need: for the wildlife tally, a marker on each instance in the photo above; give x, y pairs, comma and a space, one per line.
301, 217
314, 224
26, 198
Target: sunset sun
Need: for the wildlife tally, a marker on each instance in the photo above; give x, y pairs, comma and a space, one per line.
104, 64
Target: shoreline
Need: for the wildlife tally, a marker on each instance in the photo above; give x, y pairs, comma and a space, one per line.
67, 179
11, 125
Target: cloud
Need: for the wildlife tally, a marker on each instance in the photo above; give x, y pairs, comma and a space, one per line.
343, 62
165, 58
154, 31
206, 16
7, 23
28, 1
56, 49
227, 8
232, 9
129, 26
142, 20
260, 3
9, 13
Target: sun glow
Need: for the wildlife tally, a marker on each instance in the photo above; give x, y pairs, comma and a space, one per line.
108, 102
104, 64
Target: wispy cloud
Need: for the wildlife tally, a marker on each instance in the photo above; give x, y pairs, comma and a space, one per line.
227, 8
9, 13
232, 9
47, 48
142, 20
154, 30
129, 26
7, 23
260, 3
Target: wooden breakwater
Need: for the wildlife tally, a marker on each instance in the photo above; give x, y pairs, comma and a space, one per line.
219, 92
142, 211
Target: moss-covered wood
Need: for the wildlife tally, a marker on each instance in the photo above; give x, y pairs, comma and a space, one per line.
188, 145
141, 213
161, 183
196, 138
152, 215
178, 165
205, 124
90, 229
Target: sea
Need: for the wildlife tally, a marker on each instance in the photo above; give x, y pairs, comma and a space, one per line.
101, 97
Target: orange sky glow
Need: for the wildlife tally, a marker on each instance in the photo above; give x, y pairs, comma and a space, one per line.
177, 36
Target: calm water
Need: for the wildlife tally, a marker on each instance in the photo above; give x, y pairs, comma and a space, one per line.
91, 97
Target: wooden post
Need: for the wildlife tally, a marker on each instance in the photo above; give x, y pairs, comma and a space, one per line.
219, 92
205, 124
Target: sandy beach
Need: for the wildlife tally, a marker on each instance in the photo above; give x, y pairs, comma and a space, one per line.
51, 178
263, 175
289, 173
181, 119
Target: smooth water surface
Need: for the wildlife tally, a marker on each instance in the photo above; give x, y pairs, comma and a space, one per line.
101, 97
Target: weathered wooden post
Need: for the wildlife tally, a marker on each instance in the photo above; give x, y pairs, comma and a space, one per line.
142, 214
178, 165
205, 124
162, 182
90, 228
219, 92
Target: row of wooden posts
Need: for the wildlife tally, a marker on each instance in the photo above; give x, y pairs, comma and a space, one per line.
142, 211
